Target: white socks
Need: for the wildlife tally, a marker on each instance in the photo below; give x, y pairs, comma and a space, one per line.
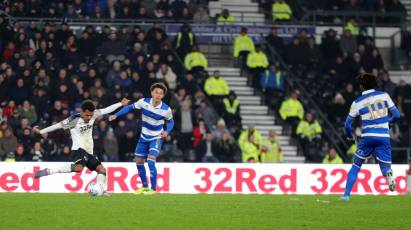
101, 179
409, 183
62, 169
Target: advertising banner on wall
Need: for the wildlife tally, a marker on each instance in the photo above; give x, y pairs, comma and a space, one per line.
194, 178
224, 34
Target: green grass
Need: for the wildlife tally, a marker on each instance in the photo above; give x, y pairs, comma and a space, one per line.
80, 211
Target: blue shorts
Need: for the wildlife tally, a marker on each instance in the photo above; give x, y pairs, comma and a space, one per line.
379, 147
145, 148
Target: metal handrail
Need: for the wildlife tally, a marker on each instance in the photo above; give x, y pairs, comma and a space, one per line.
330, 130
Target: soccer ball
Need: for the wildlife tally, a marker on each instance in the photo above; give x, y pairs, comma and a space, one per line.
95, 189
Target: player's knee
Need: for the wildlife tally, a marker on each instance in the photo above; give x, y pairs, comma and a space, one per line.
152, 157
101, 169
358, 161
139, 160
77, 168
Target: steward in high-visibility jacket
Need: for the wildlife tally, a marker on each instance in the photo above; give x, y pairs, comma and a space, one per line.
189, 42
244, 136
216, 85
291, 107
281, 11
225, 18
257, 59
332, 157
243, 43
195, 59
184, 41
271, 150
272, 79
231, 104
250, 151
309, 128
353, 27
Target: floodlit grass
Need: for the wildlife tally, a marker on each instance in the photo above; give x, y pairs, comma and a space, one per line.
126, 211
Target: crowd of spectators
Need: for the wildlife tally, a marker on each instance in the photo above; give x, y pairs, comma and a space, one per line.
289, 10
46, 70
108, 9
329, 70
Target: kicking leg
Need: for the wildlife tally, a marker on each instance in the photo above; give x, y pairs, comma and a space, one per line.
68, 168
352, 176
101, 174
101, 178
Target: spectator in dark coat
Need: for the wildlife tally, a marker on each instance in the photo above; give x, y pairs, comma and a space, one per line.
127, 146
112, 49
296, 55
207, 149
20, 92
387, 85
87, 45
374, 61
275, 41
348, 43
330, 45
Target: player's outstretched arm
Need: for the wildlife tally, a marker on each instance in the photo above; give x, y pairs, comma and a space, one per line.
51, 128
113, 107
124, 110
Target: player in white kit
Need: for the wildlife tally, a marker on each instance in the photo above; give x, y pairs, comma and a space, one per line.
81, 129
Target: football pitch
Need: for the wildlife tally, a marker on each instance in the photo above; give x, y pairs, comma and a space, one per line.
126, 211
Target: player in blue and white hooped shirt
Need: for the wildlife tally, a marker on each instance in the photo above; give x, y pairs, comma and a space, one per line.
154, 115
373, 107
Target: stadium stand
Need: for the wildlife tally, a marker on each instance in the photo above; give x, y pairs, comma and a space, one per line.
48, 66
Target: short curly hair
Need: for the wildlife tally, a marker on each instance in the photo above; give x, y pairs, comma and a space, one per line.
368, 81
88, 105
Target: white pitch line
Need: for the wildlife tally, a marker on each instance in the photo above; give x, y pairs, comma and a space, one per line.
323, 201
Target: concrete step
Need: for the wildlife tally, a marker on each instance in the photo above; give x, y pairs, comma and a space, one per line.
289, 154
255, 108
235, 78
236, 83
251, 112
244, 93
257, 122
227, 69
256, 117
249, 102
265, 129
248, 98
294, 159
241, 88
278, 129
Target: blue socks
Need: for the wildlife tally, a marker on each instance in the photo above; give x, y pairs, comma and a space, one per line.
353, 174
142, 173
385, 168
153, 173
351, 178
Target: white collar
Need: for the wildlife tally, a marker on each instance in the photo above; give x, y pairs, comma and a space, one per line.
368, 91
